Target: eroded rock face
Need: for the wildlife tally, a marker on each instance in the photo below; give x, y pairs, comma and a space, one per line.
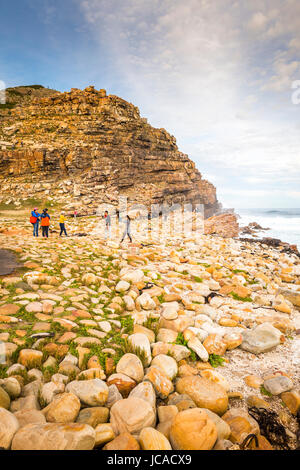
103, 144
225, 225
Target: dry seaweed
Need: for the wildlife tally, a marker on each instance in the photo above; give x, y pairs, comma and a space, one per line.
270, 427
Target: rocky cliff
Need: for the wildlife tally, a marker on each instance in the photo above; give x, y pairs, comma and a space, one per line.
84, 148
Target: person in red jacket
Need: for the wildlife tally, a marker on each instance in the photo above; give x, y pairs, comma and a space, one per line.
45, 223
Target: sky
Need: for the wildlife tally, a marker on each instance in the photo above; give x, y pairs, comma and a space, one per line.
216, 74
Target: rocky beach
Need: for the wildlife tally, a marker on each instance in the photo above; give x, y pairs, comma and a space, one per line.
181, 343
177, 341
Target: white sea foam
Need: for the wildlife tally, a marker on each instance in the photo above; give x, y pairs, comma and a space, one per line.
283, 223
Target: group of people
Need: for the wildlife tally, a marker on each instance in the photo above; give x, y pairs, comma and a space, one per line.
43, 220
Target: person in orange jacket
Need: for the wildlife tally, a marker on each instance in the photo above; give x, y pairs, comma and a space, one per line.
45, 223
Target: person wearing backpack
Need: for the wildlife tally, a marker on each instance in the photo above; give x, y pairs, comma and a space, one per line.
34, 220
45, 223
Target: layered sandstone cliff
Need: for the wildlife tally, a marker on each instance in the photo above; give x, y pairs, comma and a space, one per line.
86, 148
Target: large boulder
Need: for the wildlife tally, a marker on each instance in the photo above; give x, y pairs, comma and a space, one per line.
29, 417
124, 383
193, 430
8, 427
145, 391
54, 436
162, 385
261, 339
4, 399
223, 428
90, 392
241, 424
63, 409
130, 275
124, 441
11, 386
131, 365
131, 415
140, 341
278, 385
205, 393
291, 295
93, 416
30, 358
146, 302
167, 364
151, 439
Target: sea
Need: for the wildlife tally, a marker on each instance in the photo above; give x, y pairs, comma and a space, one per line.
283, 223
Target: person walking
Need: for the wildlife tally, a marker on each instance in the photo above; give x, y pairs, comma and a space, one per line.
127, 230
107, 225
62, 224
45, 223
35, 220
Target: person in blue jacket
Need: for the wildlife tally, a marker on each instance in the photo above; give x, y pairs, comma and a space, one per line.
35, 220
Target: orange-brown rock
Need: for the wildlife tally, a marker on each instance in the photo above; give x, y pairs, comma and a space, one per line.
8, 309
161, 383
204, 392
124, 441
291, 400
123, 383
151, 439
225, 225
30, 358
262, 444
214, 344
241, 424
193, 430
241, 291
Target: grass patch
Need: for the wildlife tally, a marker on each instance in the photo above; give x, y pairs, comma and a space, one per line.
127, 324
48, 372
152, 324
241, 299
237, 271
264, 391
215, 360
182, 342
3, 372
7, 105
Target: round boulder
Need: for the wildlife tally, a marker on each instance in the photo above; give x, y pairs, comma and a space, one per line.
204, 392
193, 430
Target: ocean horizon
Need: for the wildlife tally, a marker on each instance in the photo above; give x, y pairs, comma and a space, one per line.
283, 223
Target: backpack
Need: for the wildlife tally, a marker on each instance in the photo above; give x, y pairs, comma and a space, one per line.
45, 221
33, 219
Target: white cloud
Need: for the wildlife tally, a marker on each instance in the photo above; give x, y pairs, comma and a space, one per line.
258, 21
213, 74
